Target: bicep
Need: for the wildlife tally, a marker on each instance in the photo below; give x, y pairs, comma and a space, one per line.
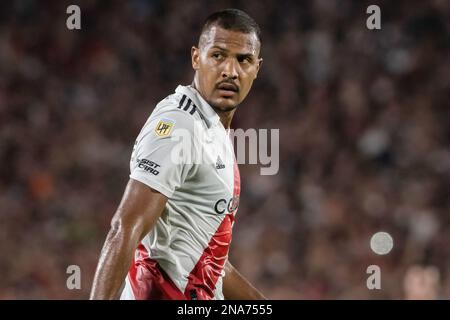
139, 209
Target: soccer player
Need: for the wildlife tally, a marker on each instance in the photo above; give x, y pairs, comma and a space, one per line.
172, 230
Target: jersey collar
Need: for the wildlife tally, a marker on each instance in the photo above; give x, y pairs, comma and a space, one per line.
206, 110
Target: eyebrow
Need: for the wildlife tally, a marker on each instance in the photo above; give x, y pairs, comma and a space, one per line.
242, 55
218, 47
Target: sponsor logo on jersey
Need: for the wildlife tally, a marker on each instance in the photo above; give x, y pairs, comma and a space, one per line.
223, 205
219, 163
164, 127
148, 166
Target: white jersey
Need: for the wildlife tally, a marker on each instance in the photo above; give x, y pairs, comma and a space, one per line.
184, 152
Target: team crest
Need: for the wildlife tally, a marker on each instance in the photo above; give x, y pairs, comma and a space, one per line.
164, 127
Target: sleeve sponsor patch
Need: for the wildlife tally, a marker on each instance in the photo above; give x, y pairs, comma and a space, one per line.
164, 127
148, 166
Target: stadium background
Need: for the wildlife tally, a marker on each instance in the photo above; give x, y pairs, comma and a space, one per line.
364, 138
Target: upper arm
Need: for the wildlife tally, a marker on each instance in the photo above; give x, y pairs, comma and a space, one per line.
139, 209
161, 156
157, 169
137, 213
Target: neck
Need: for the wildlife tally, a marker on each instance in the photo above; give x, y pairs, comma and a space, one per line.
225, 116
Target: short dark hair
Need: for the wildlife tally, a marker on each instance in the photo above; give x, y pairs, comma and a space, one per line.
234, 20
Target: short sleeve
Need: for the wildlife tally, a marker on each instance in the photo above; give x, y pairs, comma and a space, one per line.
159, 157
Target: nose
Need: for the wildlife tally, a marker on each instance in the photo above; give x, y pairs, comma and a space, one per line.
230, 69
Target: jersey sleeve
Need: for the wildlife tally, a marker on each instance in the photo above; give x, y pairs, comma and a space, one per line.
159, 158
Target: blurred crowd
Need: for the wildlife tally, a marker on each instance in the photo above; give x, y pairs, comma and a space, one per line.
364, 123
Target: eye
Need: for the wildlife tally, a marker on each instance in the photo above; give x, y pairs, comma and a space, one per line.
217, 55
244, 59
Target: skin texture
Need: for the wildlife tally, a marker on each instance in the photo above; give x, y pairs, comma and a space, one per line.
236, 287
224, 60
222, 56
136, 215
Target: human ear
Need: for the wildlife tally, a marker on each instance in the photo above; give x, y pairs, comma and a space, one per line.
260, 61
195, 56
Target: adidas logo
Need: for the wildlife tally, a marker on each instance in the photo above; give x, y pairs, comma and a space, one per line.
219, 163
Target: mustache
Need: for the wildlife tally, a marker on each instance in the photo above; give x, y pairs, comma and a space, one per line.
228, 85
